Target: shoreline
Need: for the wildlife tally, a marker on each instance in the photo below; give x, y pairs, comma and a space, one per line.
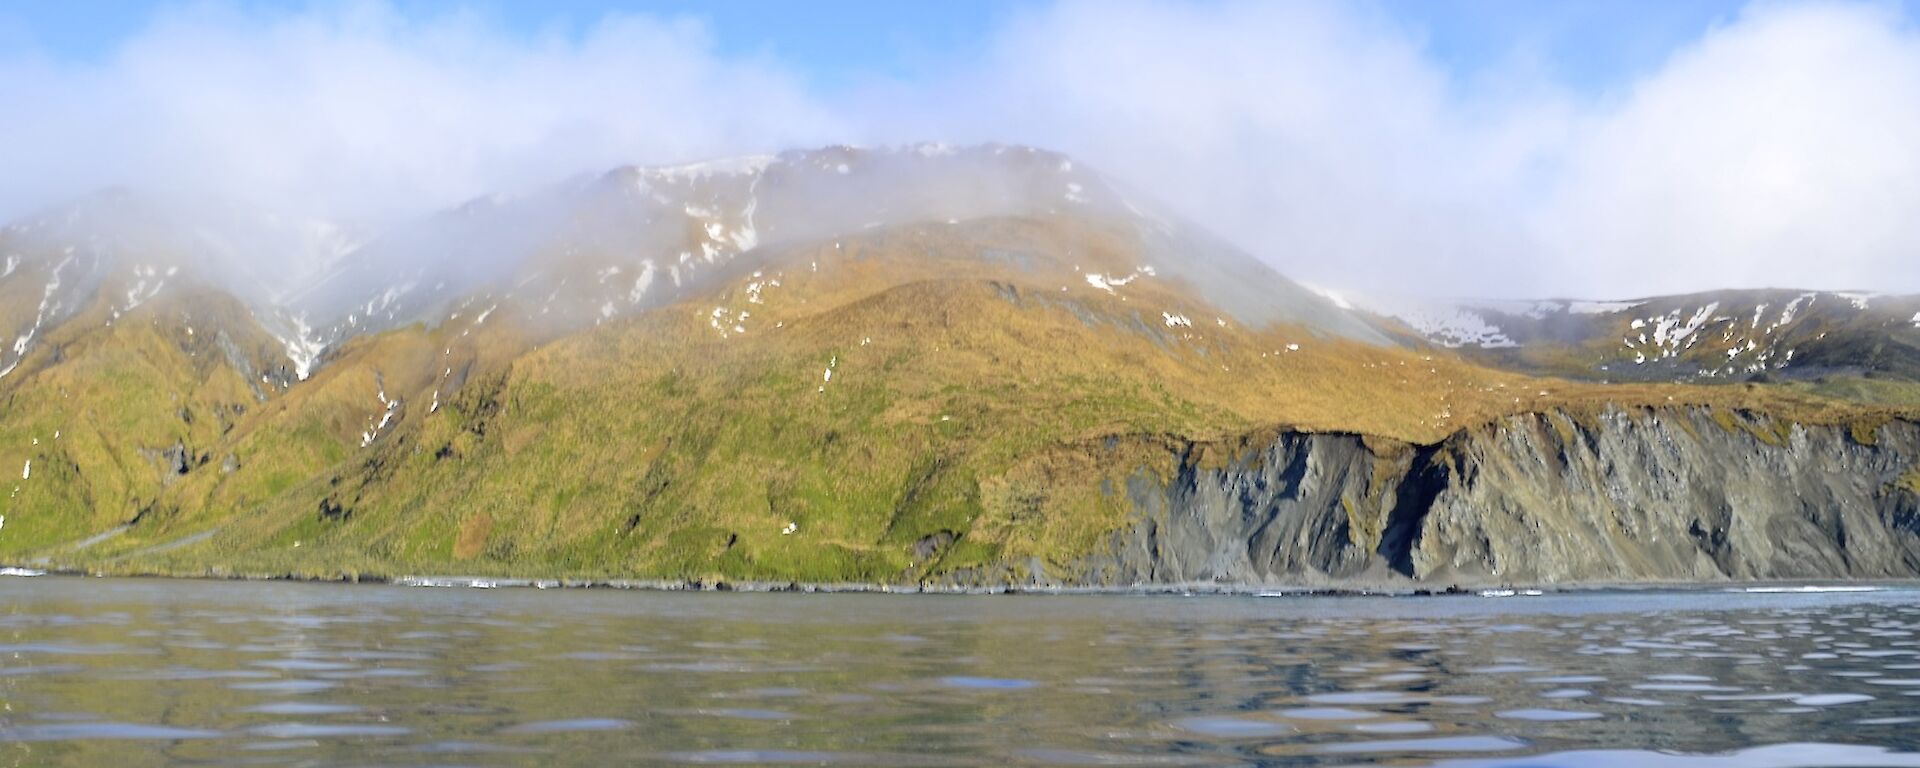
1141, 590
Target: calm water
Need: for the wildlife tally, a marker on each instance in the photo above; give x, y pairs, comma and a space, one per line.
111, 672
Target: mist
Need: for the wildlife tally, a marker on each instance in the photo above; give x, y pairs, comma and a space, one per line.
1774, 149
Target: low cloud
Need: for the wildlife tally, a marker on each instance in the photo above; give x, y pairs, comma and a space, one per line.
363, 112
1778, 148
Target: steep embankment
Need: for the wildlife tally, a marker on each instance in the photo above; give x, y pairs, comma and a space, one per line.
1668, 494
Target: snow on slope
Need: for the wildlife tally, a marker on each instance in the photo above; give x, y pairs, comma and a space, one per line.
594, 248
1702, 336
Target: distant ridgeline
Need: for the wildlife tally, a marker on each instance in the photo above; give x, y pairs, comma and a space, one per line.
982, 366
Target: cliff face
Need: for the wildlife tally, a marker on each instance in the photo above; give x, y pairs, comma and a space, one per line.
1644, 495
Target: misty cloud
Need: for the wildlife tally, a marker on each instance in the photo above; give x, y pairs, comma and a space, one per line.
1777, 149
362, 112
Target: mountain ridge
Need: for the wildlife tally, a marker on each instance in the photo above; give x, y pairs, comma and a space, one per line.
684, 373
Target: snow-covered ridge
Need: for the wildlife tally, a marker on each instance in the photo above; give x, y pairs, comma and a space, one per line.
1705, 336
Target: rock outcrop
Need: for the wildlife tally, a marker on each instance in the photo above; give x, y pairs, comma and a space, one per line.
1623, 496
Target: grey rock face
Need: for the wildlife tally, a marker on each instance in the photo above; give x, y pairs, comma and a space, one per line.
1629, 496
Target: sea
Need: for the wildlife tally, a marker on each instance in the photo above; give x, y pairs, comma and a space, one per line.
129, 672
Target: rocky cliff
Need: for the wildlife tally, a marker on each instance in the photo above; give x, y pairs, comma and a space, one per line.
1677, 494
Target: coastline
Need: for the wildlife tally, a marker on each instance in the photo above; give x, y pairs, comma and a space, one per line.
935, 589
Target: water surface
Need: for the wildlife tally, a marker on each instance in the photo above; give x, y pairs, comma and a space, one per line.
135, 672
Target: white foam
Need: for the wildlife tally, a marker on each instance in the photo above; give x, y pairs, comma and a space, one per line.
1808, 589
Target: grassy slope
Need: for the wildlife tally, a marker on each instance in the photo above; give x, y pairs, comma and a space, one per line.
98, 402
970, 396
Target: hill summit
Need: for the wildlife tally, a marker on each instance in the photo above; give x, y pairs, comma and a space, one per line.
921, 365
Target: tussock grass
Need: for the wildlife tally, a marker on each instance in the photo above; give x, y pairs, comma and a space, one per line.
977, 414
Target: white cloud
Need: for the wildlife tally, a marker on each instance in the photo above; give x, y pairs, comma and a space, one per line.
1782, 148
361, 110
1318, 137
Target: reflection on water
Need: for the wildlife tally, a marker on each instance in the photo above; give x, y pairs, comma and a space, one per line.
108, 672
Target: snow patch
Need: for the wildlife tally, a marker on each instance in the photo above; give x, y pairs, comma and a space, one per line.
1859, 299
1107, 284
386, 417
727, 321
827, 378
47, 307
1793, 309
756, 290
1330, 295
641, 283
1454, 326
1671, 333
1598, 307
1174, 320
303, 348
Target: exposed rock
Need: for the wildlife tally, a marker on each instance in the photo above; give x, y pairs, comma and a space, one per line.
932, 544
173, 461
331, 510
1646, 495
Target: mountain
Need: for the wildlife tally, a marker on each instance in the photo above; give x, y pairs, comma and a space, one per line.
1759, 335
925, 365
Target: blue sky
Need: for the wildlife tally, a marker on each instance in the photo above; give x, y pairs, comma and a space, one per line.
1588, 148
832, 41
1591, 44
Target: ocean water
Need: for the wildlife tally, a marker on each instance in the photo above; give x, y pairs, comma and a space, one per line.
105, 672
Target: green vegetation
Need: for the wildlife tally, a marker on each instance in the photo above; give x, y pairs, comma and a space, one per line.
898, 411
1911, 481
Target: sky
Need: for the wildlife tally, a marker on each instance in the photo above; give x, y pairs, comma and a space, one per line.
1485, 148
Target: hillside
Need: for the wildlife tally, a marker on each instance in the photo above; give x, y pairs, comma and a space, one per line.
978, 366
1810, 337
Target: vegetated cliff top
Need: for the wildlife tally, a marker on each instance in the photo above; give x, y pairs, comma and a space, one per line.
802, 367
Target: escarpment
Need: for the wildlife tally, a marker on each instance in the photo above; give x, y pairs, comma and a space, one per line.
1643, 495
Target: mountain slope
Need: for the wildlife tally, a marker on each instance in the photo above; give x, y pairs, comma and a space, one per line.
1705, 338
932, 365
